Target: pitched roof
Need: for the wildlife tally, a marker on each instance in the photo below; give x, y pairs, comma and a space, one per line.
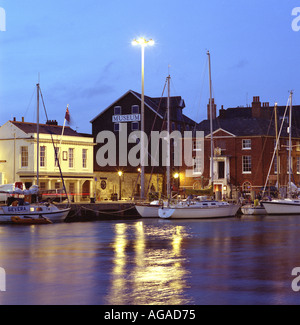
247, 127
45, 128
159, 106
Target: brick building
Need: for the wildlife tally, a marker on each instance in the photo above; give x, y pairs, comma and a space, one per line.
122, 178
244, 142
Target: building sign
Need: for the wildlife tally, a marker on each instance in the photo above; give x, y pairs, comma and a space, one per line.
126, 118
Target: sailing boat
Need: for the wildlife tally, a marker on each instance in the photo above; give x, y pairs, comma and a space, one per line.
205, 209
32, 213
288, 205
150, 210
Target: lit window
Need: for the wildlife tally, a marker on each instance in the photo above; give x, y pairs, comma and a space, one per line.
24, 156
247, 165
84, 158
197, 166
71, 158
43, 156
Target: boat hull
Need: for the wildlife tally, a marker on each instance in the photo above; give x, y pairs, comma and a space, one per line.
198, 213
282, 207
251, 210
148, 211
50, 212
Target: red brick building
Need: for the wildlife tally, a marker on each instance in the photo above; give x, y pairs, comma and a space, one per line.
244, 139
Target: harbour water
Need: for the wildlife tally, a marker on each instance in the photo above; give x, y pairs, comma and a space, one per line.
246, 260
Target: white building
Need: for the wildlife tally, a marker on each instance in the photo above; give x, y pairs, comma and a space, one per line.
18, 157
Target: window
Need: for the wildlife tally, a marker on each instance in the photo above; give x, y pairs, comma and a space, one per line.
173, 126
246, 188
135, 109
247, 165
117, 127
247, 144
57, 185
71, 158
24, 156
134, 126
42, 156
84, 158
42, 186
56, 156
118, 110
298, 165
197, 166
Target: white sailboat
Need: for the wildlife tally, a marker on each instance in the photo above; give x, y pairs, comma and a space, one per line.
20, 211
150, 210
204, 209
288, 205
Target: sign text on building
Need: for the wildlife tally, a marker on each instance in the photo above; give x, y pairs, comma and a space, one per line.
126, 118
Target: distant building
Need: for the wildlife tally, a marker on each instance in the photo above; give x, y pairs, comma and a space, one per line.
18, 157
244, 142
127, 109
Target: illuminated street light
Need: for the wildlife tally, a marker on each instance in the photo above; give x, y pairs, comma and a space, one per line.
120, 173
143, 43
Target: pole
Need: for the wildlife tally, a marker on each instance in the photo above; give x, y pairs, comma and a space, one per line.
290, 145
143, 127
169, 145
211, 125
37, 134
277, 151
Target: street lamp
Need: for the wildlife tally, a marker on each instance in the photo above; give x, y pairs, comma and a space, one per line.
120, 184
143, 43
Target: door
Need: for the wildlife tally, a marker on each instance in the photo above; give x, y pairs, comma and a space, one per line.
221, 169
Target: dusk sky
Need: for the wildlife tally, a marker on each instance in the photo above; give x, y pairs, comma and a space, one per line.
83, 53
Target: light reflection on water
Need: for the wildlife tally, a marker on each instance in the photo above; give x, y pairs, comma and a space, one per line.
227, 261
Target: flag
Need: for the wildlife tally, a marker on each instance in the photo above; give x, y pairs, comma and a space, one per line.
67, 116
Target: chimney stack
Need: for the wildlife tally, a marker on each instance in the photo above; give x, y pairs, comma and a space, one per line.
214, 109
256, 107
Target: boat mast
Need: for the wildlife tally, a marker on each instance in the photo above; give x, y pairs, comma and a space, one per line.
290, 146
169, 145
277, 151
38, 133
211, 126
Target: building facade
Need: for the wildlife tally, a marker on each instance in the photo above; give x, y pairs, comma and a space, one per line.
18, 156
244, 155
122, 177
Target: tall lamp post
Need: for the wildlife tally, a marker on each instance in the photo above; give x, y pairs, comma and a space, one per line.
143, 43
120, 173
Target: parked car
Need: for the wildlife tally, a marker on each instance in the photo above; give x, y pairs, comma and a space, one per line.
57, 195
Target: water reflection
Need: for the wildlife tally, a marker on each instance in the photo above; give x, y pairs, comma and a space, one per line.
149, 266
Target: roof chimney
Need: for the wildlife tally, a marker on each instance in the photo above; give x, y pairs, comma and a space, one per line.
214, 109
256, 107
23, 119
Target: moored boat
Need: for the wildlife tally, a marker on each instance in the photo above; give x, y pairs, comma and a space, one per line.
200, 210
